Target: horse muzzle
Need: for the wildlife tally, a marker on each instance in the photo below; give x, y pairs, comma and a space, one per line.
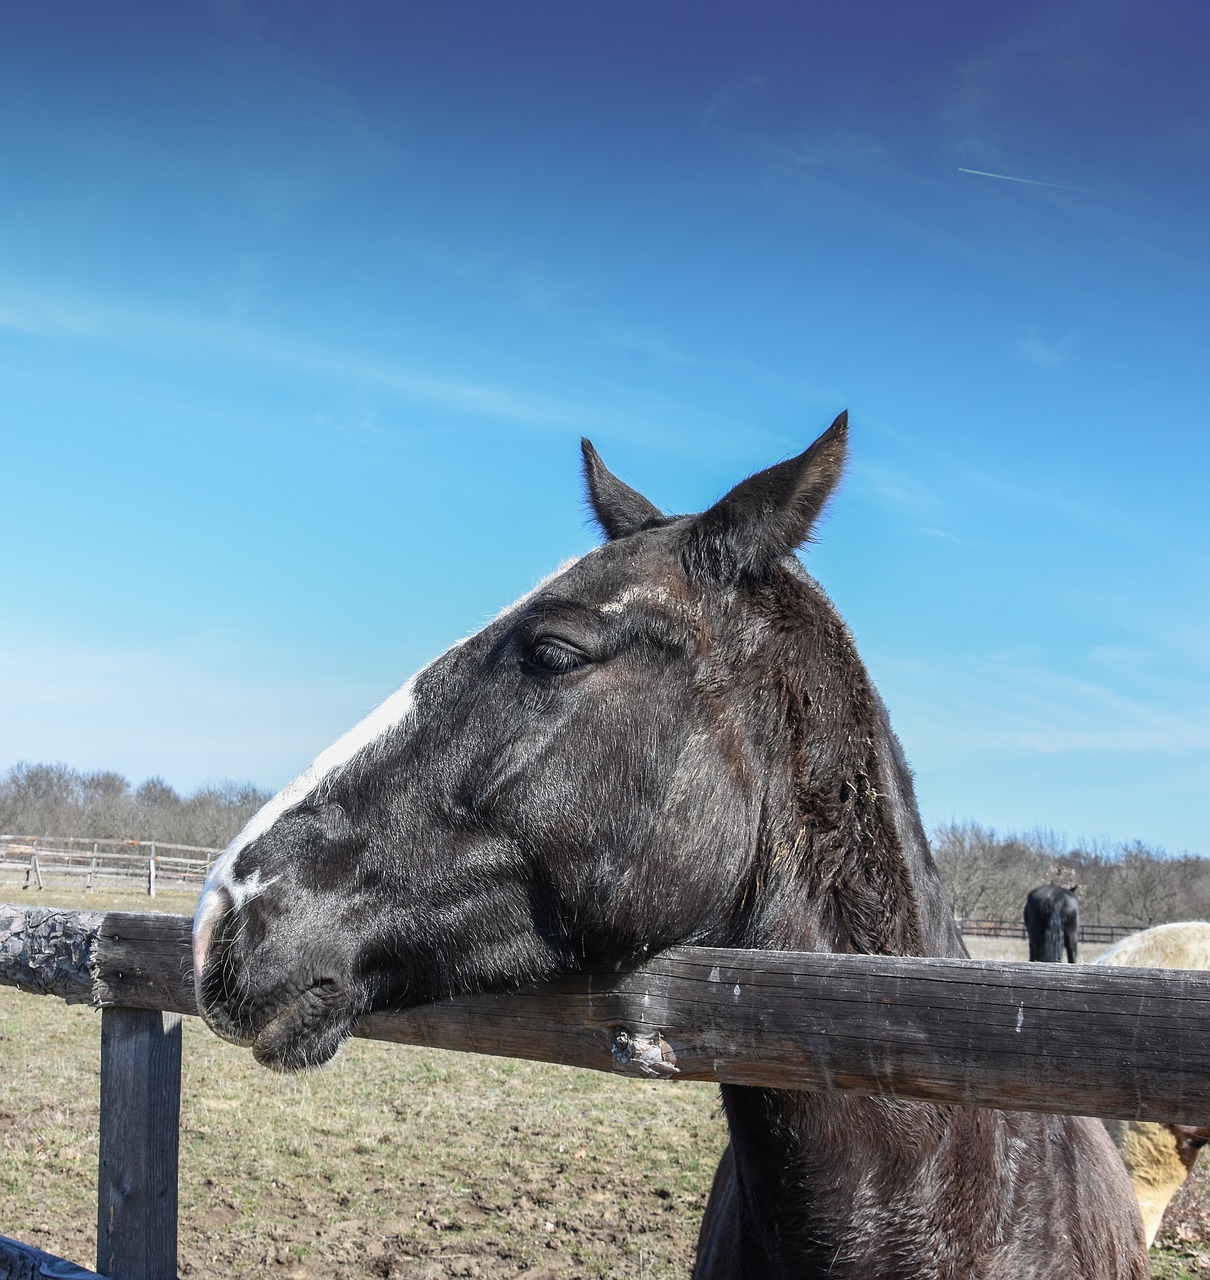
292, 1015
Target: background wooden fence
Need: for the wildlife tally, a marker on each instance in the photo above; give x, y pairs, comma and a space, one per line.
34, 861
1057, 1038
972, 927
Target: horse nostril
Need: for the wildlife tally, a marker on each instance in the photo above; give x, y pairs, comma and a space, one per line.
214, 906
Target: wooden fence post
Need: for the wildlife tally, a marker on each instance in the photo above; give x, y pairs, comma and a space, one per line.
140, 1138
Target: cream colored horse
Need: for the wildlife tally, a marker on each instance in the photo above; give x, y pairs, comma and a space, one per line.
1159, 1156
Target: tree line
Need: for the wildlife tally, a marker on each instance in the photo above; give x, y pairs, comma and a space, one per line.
988, 876
54, 800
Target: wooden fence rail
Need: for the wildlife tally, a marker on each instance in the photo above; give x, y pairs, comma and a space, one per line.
1059, 1038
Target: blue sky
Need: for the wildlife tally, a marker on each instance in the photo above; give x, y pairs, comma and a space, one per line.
304, 307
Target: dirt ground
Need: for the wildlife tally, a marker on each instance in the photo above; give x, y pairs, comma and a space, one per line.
392, 1162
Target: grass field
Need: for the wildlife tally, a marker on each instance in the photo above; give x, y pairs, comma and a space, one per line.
393, 1161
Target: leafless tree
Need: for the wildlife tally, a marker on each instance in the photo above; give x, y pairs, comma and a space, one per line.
988, 876
54, 800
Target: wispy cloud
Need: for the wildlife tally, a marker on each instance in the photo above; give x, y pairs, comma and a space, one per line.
555, 300
158, 332
1018, 704
896, 491
645, 341
839, 147
1123, 657
723, 105
1046, 354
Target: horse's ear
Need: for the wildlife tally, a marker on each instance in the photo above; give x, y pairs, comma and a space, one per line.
619, 509
767, 516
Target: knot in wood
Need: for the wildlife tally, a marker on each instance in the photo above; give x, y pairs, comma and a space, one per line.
644, 1053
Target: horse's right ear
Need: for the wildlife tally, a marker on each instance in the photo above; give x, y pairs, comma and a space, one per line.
768, 515
619, 509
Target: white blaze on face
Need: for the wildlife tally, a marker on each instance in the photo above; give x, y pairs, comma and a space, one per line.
222, 890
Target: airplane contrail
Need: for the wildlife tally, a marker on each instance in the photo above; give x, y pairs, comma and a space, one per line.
1005, 177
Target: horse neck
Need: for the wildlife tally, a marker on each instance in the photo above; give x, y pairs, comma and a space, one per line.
817, 1176
842, 862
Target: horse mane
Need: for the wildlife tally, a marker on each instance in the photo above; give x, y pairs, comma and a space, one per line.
841, 862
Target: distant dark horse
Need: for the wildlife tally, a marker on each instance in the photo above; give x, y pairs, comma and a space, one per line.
1052, 921
672, 740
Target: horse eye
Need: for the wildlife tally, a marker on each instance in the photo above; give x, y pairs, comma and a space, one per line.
556, 656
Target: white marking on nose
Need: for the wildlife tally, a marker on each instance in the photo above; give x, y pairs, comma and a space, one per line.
242, 891
212, 906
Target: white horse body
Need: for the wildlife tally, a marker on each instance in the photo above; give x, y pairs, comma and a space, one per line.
1159, 1156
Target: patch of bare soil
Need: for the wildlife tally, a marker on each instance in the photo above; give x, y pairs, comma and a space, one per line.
555, 1222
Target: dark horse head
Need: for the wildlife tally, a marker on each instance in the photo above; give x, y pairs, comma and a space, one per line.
1052, 922
667, 741
671, 740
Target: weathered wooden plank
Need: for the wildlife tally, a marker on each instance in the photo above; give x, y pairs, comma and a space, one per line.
1059, 1038
24, 1262
48, 952
1026, 1037
142, 960
140, 1127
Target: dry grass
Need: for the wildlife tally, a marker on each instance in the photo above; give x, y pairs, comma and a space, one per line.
393, 1161
110, 895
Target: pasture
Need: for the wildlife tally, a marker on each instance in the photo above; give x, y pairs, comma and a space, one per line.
395, 1161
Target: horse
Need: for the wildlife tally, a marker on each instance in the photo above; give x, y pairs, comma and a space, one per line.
1052, 922
669, 741
1159, 1157
1182, 945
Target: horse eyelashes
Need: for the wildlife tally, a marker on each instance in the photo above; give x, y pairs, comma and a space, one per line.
554, 656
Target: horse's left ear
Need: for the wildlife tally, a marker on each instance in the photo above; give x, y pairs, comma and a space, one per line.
767, 516
619, 509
